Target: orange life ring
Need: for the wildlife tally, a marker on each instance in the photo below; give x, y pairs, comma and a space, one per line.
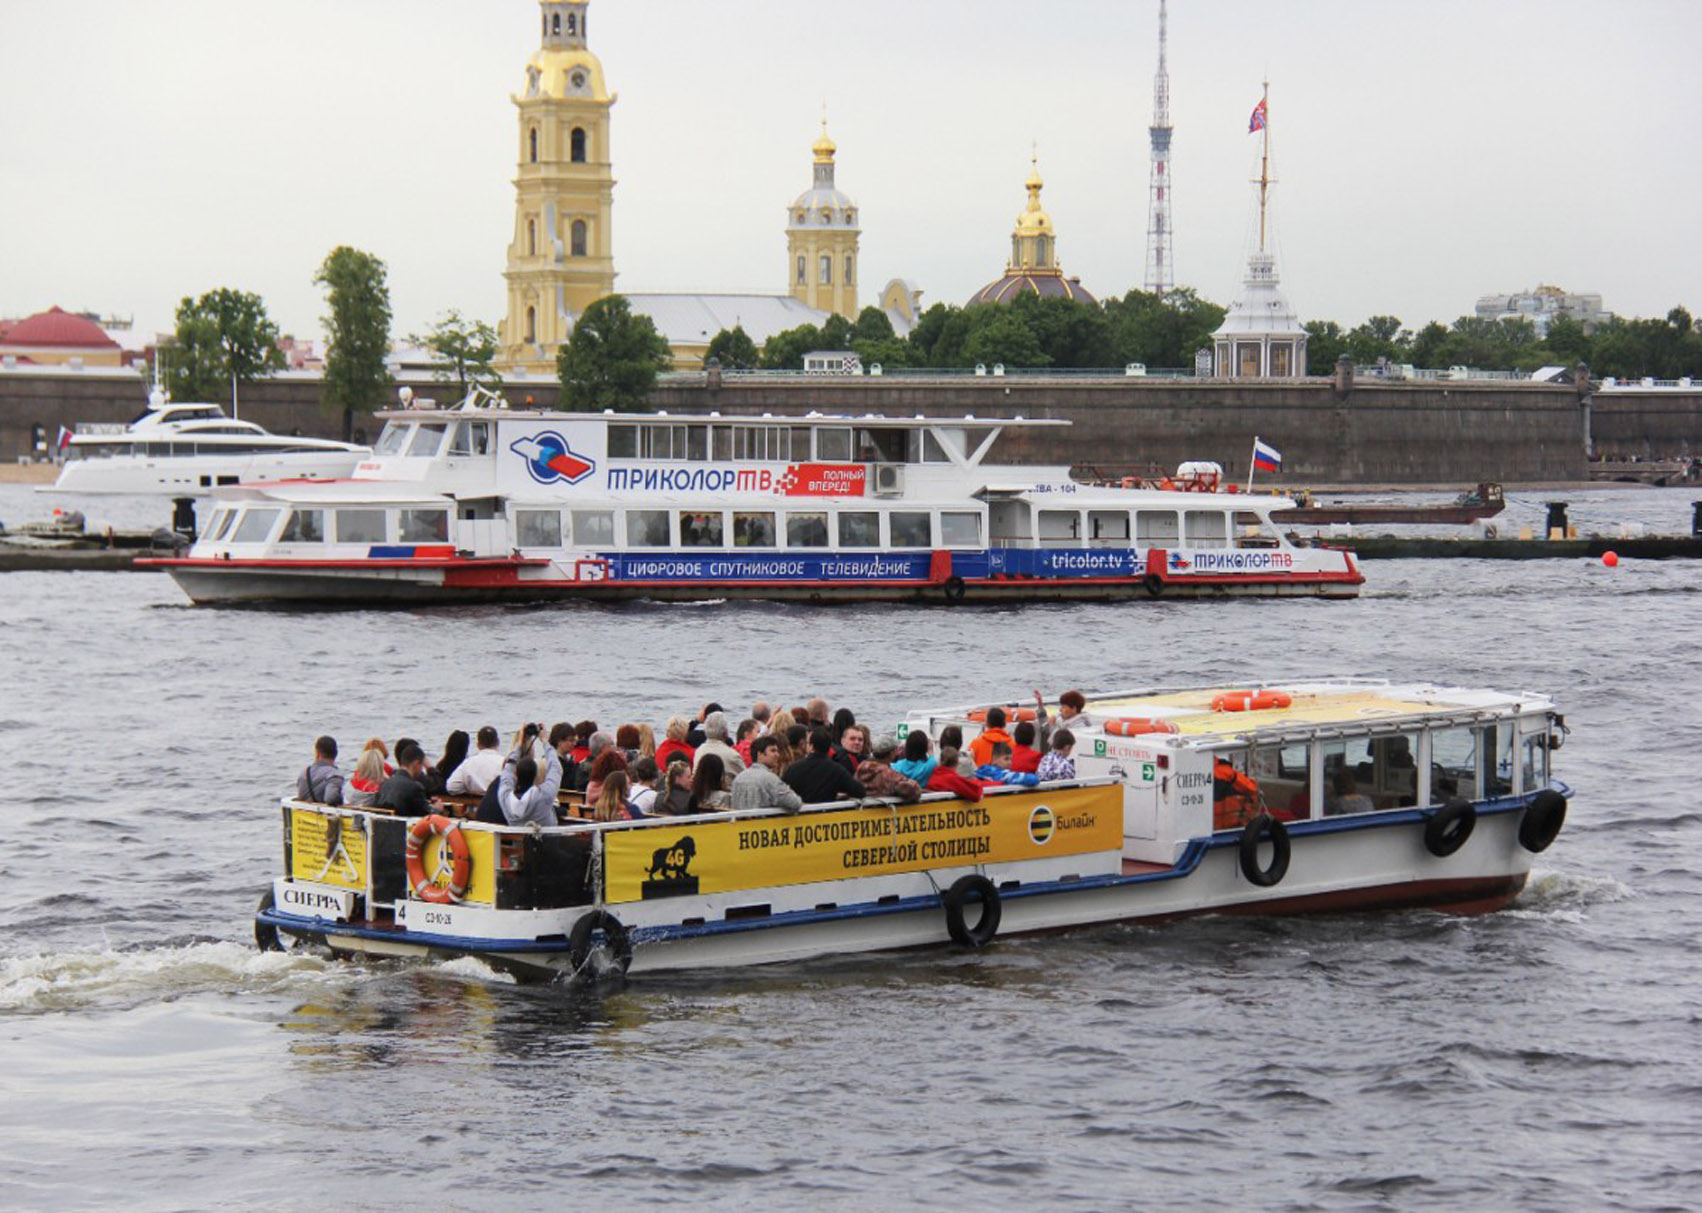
461, 869
1250, 701
1012, 715
1134, 726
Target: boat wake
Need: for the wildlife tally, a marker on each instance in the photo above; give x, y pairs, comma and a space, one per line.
1566, 896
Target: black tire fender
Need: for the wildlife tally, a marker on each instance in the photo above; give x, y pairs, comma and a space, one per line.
954, 589
1542, 821
1449, 827
1252, 834
265, 934
956, 899
1153, 584
580, 941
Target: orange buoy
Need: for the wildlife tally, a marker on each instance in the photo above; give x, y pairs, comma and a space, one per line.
1134, 726
454, 844
979, 715
1611, 559
1250, 701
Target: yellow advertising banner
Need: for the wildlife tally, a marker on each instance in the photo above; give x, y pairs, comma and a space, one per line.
330, 848
724, 857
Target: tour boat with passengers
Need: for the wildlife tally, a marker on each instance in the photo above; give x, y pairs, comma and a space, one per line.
486, 503
1309, 796
189, 450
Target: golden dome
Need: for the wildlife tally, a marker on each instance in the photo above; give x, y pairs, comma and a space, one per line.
1034, 220
824, 147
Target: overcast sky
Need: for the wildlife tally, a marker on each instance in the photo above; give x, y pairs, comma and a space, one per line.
1427, 153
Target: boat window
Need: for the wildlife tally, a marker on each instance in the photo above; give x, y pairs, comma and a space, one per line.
537, 528
1156, 529
860, 529
1365, 773
360, 526
759, 442
594, 527
881, 446
910, 529
960, 529
647, 528
1534, 768
721, 443
426, 440
1207, 529
1108, 527
1285, 779
304, 526
220, 523
1453, 765
470, 438
933, 451
753, 530
1253, 531
623, 442
669, 441
1060, 525
800, 444
256, 526
833, 444
393, 440
697, 442
700, 530
424, 526
806, 530
1498, 746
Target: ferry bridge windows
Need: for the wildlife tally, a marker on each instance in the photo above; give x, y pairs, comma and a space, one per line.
647, 529
426, 440
859, 529
927, 448
1108, 528
576, 145
1059, 526
911, 529
1252, 531
833, 444
1207, 529
423, 526
304, 526
594, 528
1157, 529
881, 446
623, 442
256, 526
1453, 765
577, 238
360, 526
1365, 773
537, 528
960, 529
701, 530
1498, 747
393, 440
806, 530
470, 438
219, 524
753, 529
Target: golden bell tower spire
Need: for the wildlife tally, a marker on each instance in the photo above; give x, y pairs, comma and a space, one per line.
821, 238
561, 258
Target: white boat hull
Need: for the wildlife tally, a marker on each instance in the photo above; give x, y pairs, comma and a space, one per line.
198, 476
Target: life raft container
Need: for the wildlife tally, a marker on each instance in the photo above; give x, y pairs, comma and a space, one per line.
1250, 701
1134, 726
461, 860
1012, 715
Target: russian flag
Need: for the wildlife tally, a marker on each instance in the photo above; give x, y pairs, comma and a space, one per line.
1266, 458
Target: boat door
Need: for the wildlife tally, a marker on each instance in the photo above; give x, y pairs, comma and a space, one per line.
481, 527
1136, 766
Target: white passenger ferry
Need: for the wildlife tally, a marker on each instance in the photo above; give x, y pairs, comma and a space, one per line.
483, 502
189, 450
1311, 796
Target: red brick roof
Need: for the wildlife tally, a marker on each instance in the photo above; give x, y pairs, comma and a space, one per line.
59, 328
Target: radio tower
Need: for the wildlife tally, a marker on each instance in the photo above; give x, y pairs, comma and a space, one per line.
1160, 273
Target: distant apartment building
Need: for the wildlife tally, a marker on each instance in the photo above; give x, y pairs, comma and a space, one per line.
1542, 305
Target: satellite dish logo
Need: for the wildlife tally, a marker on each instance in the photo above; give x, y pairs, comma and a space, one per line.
550, 460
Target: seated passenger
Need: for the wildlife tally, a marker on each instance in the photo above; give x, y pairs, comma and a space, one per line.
1071, 705
999, 769
645, 778
525, 798
715, 742
878, 778
612, 803
1347, 797
852, 747
708, 784
1024, 757
1059, 762
627, 741
363, 785
377, 743
676, 743
759, 785
403, 793
746, 733
481, 767
952, 736
981, 749
695, 736
321, 782
581, 751
1236, 799
674, 799
819, 779
609, 760
454, 753
916, 765
946, 779
580, 777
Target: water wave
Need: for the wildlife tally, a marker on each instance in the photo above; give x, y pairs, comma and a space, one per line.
69, 981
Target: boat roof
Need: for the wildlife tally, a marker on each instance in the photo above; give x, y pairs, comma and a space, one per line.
1315, 708
330, 493
868, 420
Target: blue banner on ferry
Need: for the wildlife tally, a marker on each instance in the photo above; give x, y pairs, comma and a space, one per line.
771, 566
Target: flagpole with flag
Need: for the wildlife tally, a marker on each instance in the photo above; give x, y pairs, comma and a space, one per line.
1266, 458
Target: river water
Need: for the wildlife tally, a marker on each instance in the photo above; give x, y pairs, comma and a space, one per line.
1547, 1057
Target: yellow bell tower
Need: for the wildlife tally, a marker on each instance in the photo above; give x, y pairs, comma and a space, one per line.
562, 255
821, 240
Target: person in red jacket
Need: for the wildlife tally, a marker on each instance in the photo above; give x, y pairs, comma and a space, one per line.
1024, 757
946, 779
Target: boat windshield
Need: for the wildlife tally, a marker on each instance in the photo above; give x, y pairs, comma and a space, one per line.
392, 440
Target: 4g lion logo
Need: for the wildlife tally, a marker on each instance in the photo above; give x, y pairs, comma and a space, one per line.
670, 871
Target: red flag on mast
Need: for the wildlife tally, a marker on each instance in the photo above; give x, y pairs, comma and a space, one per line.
1257, 122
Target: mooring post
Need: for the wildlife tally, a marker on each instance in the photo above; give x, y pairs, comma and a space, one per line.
1556, 519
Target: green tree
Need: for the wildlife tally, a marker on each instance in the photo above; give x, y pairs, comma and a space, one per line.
1161, 331
873, 325
835, 333
1325, 344
612, 359
1567, 342
1002, 336
1424, 350
464, 351
1378, 337
358, 329
733, 349
930, 325
1070, 333
888, 352
224, 330
785, 351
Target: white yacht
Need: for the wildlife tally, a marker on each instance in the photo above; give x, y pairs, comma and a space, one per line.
188, 450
